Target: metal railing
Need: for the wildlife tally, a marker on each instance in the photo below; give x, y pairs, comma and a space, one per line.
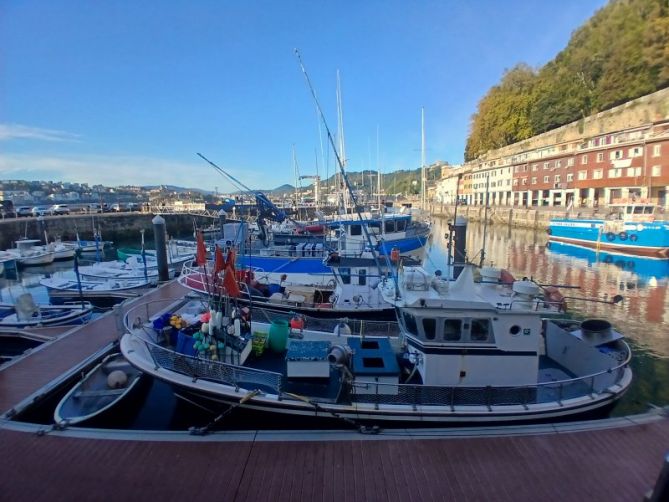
215, 371
545, 392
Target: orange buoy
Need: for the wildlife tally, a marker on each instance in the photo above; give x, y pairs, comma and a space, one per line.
297, 322
395, 255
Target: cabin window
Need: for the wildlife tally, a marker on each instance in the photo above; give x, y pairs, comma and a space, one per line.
452, 330
410, 323
345, 275
374, 227
362, 276
430, 328
638, 210
480, 330
648, 210
356, 230
401, 225
390, 226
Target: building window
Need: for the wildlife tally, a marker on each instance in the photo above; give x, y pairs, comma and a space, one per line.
633, 171
657, 150
637, 151
597, 174
570, 161
524, 181
616, 155
515, 182
547, 165
515, 169
600, 157
557, 178
545, 179
558, 163
535, 167
534, 181
570, 177
656, 171
584, 159
615, 173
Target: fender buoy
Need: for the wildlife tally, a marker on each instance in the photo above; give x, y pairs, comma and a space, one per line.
610, 236
623, 236
633, 237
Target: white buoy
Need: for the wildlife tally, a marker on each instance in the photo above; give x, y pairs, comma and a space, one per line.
117, 379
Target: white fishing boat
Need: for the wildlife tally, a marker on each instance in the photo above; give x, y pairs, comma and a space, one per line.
24, 312
28, 254
99, 293
468, 352
119, 270
100, 390
62, 251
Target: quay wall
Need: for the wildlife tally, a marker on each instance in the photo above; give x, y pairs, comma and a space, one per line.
510, 216
112, 226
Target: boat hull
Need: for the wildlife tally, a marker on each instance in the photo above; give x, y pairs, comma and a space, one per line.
72, 315
643, 238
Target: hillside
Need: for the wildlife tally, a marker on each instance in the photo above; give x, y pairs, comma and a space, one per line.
620, 54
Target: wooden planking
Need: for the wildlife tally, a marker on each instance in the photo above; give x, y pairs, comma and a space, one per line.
42, 366
608, 465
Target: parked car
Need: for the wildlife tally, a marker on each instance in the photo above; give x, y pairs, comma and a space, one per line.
40, 211
24, 211
59, 209
132, 206
7, 209
94, 208
117, 208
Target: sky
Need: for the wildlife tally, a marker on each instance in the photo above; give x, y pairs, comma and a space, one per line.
126, 93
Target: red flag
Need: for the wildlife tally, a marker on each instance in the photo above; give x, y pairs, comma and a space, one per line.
219, 263
201, 254
230, 283
230, 262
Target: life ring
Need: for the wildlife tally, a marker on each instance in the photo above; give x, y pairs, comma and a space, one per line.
634, 237
623, 236
610, 236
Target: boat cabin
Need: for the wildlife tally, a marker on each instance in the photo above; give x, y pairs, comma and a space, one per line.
636, 210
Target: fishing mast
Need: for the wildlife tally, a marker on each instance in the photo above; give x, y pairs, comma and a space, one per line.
423, 180
342, 146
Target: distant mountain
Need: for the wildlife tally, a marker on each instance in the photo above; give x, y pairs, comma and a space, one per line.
174, 188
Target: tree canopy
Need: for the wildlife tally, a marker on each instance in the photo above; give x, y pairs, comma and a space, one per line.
621, 53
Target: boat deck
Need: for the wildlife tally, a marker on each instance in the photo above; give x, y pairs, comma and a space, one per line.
611, 460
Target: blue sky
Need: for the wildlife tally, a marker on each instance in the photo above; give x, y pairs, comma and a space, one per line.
126, 92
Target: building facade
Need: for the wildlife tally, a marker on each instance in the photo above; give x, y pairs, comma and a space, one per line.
618, 155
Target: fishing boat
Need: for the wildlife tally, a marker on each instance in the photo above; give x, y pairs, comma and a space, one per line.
101, 389
28, 254
61, 251
99, 293
304, 261
635, 227
176, 257
468, 353
351, 290
24, 312
119, 270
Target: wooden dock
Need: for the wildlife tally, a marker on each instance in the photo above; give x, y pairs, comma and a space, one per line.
612, 460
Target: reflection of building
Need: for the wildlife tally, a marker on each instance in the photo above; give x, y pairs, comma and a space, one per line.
617, 154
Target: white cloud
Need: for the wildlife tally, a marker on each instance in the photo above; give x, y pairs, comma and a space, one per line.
122, 170
15, 131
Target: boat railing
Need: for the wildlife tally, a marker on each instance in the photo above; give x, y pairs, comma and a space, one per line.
544, 392
215, 371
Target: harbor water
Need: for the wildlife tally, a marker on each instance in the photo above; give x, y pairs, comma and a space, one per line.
588, 280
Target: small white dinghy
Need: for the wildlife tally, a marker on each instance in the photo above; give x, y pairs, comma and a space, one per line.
101, 389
